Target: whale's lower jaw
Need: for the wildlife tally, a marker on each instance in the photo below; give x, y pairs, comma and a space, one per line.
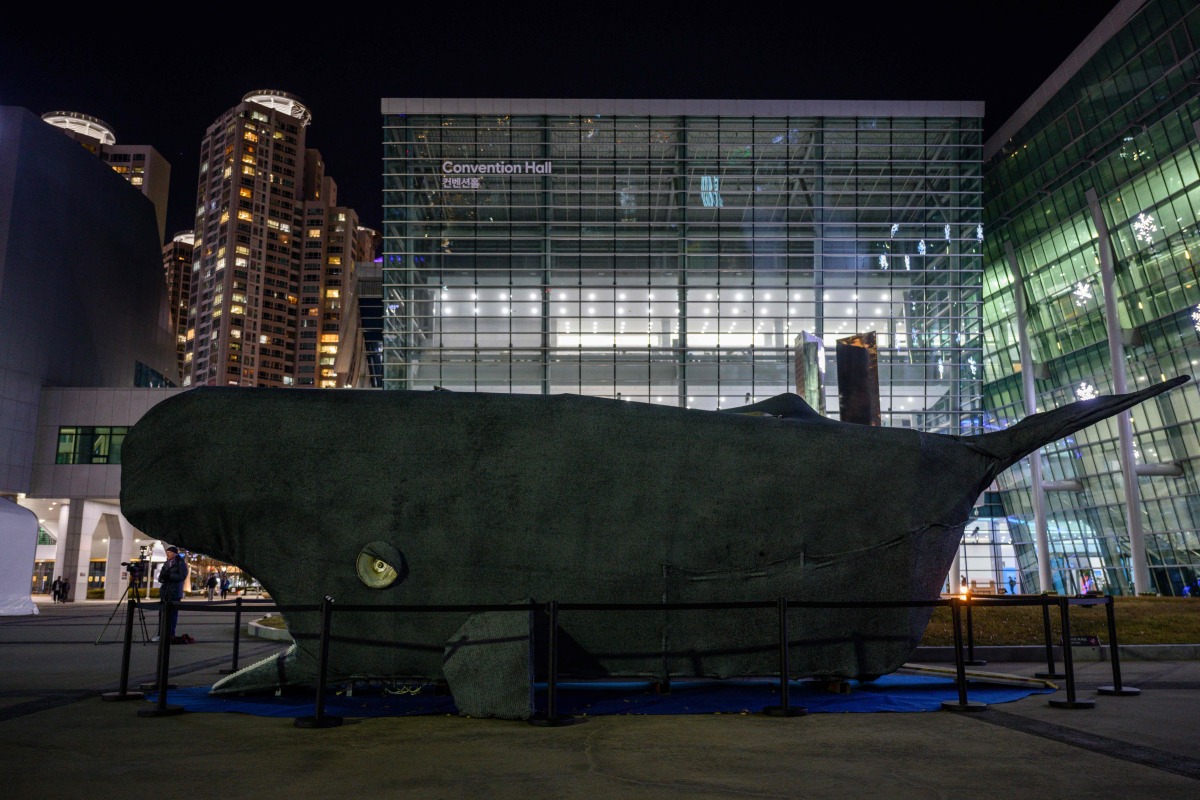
859, 651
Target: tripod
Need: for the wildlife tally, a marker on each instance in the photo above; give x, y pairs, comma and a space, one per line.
132, 595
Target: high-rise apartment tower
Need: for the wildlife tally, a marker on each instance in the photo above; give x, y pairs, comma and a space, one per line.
273, 257
140, 164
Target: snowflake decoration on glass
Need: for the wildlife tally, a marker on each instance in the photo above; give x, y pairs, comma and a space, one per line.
895, 229
979, 232
972, 366
1144, 228
908, 265
883, 261
921, 247
1082, 293
1196, 318
947, 232
1085, 391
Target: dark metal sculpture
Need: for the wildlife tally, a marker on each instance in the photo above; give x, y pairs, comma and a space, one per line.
468, 498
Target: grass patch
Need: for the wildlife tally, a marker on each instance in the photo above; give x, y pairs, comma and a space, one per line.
1139, 620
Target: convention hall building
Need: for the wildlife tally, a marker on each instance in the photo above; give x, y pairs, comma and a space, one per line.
694, 253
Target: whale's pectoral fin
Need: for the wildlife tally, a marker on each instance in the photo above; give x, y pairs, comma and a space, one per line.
488, 665
291, 667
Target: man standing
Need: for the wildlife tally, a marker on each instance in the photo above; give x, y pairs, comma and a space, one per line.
56, 589
171, 577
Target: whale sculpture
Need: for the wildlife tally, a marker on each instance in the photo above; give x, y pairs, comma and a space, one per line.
436, 498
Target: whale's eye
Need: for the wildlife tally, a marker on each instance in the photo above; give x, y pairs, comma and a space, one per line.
379, 565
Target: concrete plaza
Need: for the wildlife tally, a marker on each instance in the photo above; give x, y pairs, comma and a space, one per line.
59, 736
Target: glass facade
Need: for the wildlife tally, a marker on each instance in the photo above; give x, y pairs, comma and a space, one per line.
684, 252
1123, 123
88, 445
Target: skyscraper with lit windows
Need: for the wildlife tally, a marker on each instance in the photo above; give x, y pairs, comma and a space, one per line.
272, 254
177, 269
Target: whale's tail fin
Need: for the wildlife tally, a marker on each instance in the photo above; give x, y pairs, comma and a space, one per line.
1012, 444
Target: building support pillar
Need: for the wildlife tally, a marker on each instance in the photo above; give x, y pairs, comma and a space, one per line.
1116, 353
70, 558
1041, 539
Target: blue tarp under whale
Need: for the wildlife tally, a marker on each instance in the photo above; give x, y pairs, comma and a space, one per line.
895, 692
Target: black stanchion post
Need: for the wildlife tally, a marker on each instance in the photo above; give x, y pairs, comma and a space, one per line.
1113, 657
123, 693
237, 636
319, 719
784, 709
551, 717
161, 709
971, 660
1051, 670
960, 671
1064, 610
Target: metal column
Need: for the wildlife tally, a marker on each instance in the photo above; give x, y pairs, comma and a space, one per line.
1116, 354
1041, 540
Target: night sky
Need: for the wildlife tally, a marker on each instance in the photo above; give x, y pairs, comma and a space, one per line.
163, 84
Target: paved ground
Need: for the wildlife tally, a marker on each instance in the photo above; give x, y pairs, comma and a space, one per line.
59, 737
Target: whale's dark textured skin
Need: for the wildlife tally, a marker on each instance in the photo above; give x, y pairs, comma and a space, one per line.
500, 498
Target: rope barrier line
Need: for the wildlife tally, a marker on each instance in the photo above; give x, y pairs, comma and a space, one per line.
551, 609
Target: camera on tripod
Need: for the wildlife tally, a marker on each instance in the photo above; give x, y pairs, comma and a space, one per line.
137, 569
137, 566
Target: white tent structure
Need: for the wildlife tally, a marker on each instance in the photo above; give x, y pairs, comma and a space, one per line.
18, 542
